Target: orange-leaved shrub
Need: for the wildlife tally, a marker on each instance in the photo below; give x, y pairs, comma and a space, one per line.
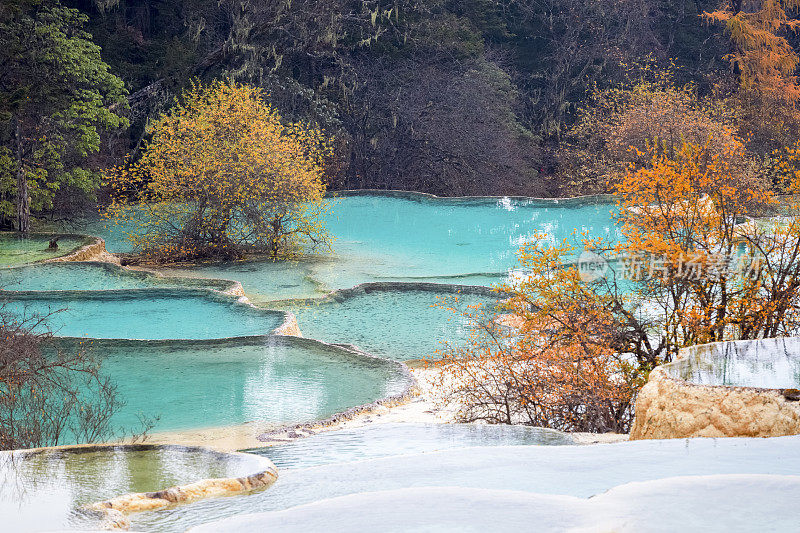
703, 253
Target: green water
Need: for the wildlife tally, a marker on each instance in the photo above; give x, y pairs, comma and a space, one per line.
145, 314
90, 277
398, 324
17, 250
209, 384
41, 491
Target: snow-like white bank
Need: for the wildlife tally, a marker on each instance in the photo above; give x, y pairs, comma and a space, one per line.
574, 471
693, 503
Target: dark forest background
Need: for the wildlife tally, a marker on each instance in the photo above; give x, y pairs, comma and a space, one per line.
452, 97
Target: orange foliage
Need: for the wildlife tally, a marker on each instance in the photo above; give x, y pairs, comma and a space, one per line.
691, 210
580, 347
629, 123
765, 60
222, 174
558, 368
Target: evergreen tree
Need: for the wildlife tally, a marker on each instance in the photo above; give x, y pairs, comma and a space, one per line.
56, 97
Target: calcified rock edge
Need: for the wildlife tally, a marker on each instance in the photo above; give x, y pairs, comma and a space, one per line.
92, 251
113, 513
671, 408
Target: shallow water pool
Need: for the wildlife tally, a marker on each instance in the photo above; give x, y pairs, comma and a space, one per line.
201, 384
384, 238
409, 238
41, 491
580, 471
90, 276
145, 314
263, 281
764, 363
17, 250
384, 440
399, 324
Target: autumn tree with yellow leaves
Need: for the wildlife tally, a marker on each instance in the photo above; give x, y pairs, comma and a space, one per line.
707, 253
224, 175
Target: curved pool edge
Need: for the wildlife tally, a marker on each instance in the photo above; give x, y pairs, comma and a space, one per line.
88, 248
288, 321
253, 434
339, 295
113, 512
669, 407
227, 287
587, 199
411, 390
248, 434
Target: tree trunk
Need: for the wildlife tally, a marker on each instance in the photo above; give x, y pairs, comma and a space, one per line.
276, 235
23, 195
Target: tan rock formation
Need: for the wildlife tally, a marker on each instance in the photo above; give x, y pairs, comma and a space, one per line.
199, 490
290, 327
670, 408
94, 251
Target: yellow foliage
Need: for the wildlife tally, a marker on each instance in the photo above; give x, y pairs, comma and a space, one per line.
222, 174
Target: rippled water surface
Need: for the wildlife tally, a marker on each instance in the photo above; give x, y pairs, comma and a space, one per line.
146, 315
399, 324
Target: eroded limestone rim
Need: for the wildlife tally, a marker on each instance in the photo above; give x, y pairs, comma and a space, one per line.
286, 321
340, 295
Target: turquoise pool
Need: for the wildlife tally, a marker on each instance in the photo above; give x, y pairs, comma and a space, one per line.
384, 238
397, 240
91, 276
409, 238
227, 382
264, 281
145, 314
398, 324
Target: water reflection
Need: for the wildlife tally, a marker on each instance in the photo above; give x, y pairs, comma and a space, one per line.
42, 491
765, 363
